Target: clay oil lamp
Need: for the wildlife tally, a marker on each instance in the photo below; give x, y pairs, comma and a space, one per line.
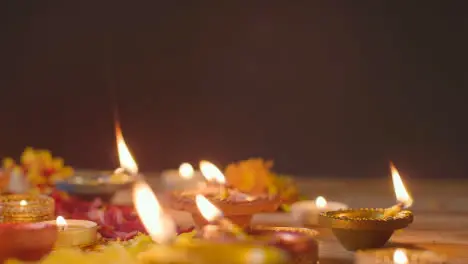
26, 241
89, 184
298, 243
166, 249
26, 208
236, 206
370, 227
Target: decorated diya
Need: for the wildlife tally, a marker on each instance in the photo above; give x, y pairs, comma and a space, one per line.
236, 206
26, 208
370, 227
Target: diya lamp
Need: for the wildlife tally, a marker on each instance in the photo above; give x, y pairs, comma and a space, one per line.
307, 212
74, 233
370, 227
298, 243
26, 241
89, 185
166, 249
26, 208
182, 179
399, 256
236, 206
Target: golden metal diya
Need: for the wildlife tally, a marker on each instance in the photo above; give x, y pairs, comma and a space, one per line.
17, 208
364, 228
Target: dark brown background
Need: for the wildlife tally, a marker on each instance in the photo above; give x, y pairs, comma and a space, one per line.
323, 87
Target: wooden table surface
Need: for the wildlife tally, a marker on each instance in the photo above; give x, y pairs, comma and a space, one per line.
440, 209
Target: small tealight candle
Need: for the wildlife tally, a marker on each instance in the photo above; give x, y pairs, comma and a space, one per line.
183, 178
74, 233
399, 256
307, 212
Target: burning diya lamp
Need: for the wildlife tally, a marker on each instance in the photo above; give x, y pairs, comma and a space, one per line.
26, 241
26, 208
299, 243
166, 249
371, 227
74, 233
89, 185
238, 207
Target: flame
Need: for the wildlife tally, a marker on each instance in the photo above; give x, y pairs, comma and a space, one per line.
125, 157
399, 257
320, 202
160, 227
211, 172
60, 221
401, 193
23, 203
207, 209
186, 171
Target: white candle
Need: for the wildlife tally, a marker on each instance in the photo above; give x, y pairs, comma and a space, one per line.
399, 256
307, 212
183, 178
74, 233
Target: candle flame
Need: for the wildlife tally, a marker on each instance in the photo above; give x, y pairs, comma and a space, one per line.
23, 203
186, 170
320, 202
211, 172
160, 226
125, 157
60, 221
401, 193
208, 210
399, 257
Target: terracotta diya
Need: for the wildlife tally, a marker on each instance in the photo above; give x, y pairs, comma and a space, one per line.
26, 241
370, 227
236, 206
298, 243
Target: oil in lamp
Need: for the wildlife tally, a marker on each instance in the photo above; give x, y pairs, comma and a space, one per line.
370, 227
235, 205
